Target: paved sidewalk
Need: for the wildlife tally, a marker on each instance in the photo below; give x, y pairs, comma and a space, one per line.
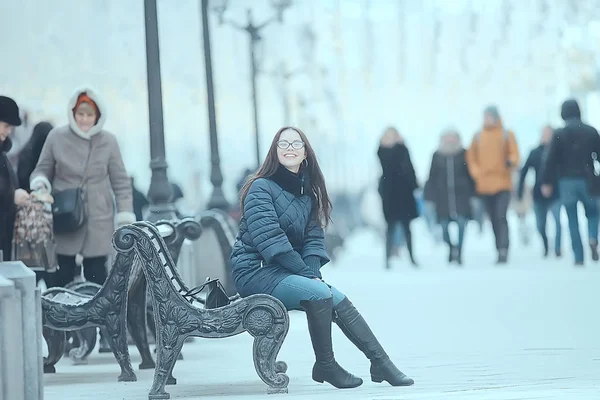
526, 331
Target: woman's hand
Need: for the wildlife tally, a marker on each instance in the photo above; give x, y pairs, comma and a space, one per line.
42, 195
21, 197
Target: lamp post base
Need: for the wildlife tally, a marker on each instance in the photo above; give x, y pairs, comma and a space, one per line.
218, 200
157, 212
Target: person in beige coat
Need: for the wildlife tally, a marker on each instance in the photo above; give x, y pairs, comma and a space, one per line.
61, 166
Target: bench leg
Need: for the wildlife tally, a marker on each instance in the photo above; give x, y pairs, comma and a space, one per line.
171, 380
56, 342
117, 338
166, 356
269, 326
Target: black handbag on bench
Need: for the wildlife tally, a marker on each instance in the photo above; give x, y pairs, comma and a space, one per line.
216, 295
68, 210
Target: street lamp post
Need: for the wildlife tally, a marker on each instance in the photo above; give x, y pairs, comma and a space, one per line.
217, 198
160, 192
253, 32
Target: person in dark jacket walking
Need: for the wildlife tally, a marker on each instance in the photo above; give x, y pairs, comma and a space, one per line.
452, 188
10, 194
28, 158
541, 204
570, 161
30, 154
280, 249
396, 186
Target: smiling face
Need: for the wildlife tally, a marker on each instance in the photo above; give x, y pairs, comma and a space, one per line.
291, 150
85, 116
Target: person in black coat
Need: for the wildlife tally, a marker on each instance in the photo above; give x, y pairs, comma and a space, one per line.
28, 158
541, 204
9, 192
396, 186
451, 188
31, 153
570, 161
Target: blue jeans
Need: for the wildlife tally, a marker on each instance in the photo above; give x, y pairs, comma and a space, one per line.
461, 222
541, 209
573, 190
478, 210
295, 288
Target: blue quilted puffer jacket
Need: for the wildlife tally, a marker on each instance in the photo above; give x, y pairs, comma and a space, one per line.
276, 221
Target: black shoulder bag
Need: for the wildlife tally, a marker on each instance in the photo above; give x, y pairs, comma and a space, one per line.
68, 210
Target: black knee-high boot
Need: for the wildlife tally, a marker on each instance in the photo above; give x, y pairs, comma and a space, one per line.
319, 314
347, 317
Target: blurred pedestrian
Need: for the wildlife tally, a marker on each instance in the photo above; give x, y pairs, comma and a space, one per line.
396, 187
491, 158
452, 188
83, 154
10, 194
570, 161
28, 159
19, 137
30, 154
541, 204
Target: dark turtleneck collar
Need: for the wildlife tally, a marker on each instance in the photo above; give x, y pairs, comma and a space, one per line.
296, 184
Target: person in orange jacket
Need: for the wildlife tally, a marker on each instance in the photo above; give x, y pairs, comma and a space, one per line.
491, 159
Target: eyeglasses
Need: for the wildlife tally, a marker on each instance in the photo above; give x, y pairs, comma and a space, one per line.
296, 144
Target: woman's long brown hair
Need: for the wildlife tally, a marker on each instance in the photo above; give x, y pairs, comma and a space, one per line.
321, 201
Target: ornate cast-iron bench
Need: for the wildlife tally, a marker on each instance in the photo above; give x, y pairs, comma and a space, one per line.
84, 340
106, 309
84, 337
174, 233
211, 221
263, 316
80, 343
